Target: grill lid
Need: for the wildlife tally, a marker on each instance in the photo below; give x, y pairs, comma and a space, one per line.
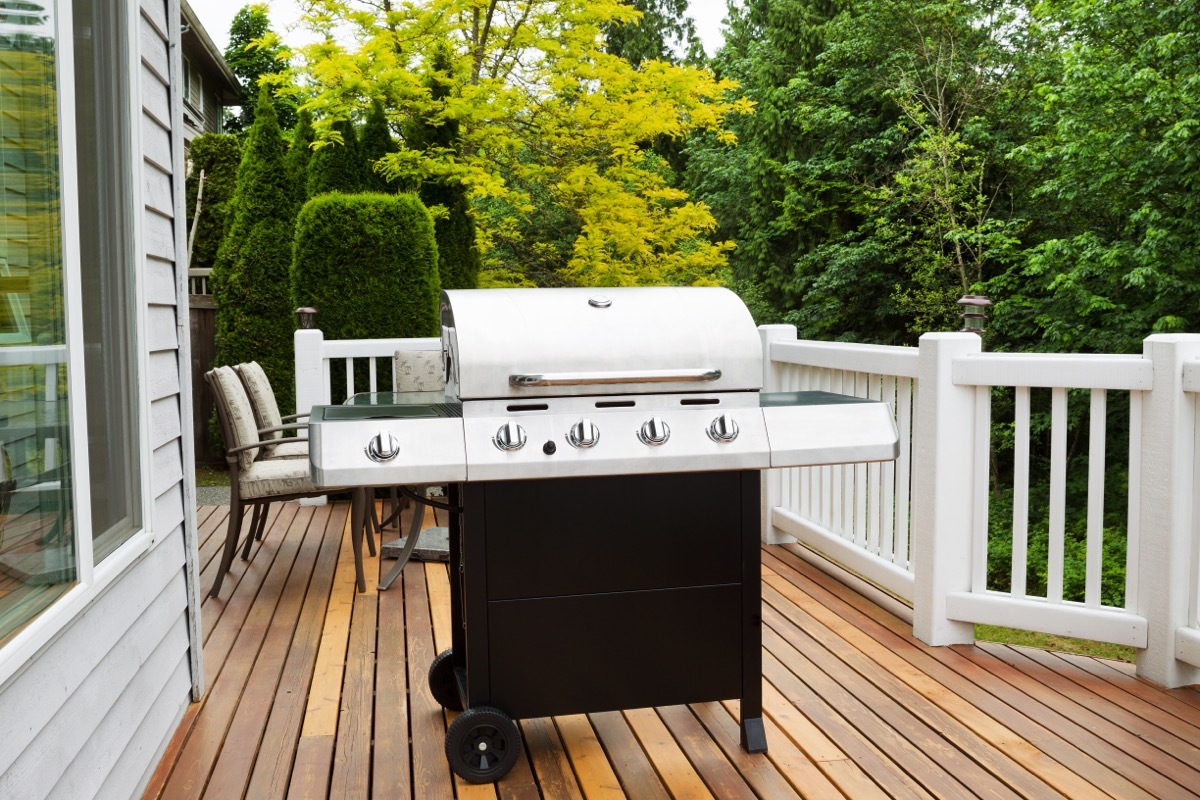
525, 343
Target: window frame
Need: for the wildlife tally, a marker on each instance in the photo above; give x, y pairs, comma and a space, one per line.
93, 579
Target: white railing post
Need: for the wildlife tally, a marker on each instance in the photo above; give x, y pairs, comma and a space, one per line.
1165, 556
310, 372
943, 464
772, 481
310, 380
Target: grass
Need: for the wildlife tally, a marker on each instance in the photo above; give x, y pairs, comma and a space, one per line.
1045, 641
211, 476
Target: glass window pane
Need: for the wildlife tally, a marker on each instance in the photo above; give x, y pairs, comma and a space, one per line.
106, 270
37, 553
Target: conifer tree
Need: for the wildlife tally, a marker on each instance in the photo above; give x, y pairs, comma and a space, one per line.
250, 63
297, 158
250, 278
458, 255
215, 156
377, 142
337, 167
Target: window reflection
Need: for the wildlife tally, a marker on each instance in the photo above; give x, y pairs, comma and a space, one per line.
37, 540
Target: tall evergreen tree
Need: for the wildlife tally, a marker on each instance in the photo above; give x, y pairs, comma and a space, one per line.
249, 63
377, 142
298, 155
216, 156
251, 276
338, 167
458, 256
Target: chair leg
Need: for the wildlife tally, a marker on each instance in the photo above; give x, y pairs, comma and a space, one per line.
358, 510
262, 523
258, 521
236, 509
371, 523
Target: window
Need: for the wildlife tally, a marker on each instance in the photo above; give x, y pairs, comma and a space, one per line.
53, 348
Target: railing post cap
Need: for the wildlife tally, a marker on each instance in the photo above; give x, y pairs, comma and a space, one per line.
308, 316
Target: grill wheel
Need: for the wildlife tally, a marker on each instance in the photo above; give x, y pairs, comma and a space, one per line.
442, 684
482, 744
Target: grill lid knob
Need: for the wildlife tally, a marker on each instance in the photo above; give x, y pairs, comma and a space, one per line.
723, 429
654, 431
583, 434
382, 447
511, 436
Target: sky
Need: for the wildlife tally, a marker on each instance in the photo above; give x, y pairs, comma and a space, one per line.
215, 16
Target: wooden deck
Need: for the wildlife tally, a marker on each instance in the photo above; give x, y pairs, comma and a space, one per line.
315, 691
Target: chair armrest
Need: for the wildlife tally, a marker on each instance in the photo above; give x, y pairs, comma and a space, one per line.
290, 417
299, 426
264, 443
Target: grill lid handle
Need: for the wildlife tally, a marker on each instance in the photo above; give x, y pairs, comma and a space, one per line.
598, 378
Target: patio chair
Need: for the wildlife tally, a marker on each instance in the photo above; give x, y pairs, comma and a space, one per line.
270, 429
257, 481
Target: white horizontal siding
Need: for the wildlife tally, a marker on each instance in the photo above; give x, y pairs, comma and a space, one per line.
89, 716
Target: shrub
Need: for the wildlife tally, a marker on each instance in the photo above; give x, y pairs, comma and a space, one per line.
250, 276
368, 264
217, 155
338, 167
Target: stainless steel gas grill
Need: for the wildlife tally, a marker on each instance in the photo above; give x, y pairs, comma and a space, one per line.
603, 452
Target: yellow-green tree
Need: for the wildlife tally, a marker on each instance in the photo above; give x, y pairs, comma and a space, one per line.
543, 112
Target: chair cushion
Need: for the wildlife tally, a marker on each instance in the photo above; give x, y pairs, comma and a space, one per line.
418, 371
241, 415
289, 448
262, 401
275, 477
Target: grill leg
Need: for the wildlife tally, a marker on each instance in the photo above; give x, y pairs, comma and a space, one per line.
754, 737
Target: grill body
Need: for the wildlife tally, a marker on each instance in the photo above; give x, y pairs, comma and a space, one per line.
645, 598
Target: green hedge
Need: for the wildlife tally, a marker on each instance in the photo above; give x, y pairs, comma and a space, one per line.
217, 155
255, 316
369, 265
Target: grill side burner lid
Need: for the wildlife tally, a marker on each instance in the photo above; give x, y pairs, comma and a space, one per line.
524, 343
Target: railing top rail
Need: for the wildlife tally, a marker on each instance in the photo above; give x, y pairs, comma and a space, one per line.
25, 355
1055, 370
363, 348
876, 359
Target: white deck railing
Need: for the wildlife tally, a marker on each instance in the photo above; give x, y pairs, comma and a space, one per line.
919, 527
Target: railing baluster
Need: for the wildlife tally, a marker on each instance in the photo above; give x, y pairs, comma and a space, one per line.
1097, 425
1058, 494
1020, 540
371, 370
1133, 532
983, 451
906, 399
887, 482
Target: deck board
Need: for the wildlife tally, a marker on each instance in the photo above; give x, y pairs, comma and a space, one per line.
316, 690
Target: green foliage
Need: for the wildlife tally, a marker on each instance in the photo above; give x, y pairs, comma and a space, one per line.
368, 264
542, 109
217, 156
338, 166
662, 31
458, 254
377, 142
251, 56
1118, 255
297, 158
250, 276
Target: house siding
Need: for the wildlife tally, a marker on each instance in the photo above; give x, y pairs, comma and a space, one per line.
91, 715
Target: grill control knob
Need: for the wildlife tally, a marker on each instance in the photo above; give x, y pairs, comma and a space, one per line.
511, 436
723, 429
654, 431
382, 447
583, 434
